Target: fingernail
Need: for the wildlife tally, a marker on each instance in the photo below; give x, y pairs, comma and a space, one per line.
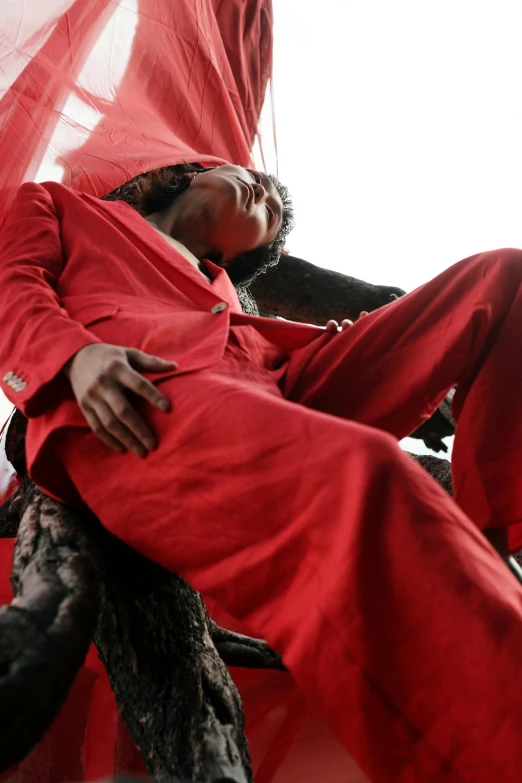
150, 444
164, 405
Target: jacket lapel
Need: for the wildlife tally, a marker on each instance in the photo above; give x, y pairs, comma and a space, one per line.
181, 273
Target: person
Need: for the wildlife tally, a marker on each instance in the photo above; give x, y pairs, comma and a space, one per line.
275, 485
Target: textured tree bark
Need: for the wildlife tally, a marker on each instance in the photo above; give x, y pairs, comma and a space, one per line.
300, 291
439, 469
173, 690
47, 629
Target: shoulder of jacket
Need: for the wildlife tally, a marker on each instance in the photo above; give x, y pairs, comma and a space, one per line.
56, 189
64, 197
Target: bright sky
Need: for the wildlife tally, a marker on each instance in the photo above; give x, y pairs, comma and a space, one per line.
399, 130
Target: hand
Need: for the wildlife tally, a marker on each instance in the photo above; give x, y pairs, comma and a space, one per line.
333, 326
100, 376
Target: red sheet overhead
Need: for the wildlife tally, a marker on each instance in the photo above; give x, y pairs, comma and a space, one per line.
101, 90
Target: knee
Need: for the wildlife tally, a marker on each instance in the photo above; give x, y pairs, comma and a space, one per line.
375, 451
504, 265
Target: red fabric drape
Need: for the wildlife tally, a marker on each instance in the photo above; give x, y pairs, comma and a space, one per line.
31, 104
99, 91
194, 79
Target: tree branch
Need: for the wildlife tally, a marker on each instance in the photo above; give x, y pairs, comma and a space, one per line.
46, 631
172, 688
238, 650
300, 291
439, 469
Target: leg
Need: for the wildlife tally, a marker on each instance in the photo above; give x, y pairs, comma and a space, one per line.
390, 609
391, 370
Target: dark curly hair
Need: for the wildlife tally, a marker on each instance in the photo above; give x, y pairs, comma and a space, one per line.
155, 190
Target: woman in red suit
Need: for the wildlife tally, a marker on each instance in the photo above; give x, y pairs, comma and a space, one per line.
268, 451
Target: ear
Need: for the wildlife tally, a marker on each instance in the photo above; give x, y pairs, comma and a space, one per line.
226, 263
216, 258
219, 260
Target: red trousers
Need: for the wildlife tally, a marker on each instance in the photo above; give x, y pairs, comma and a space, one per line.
289, 502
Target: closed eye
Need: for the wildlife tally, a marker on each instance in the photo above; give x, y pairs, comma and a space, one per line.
255, 176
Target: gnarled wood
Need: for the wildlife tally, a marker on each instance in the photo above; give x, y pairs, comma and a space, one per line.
172, 688
439, 469
153, 634
300, 291
46, 631
238, 650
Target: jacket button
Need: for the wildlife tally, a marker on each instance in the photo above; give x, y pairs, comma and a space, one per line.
219, 307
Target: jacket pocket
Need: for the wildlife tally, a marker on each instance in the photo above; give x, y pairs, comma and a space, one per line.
88, 312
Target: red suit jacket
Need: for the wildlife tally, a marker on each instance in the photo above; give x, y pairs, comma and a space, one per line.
76, 270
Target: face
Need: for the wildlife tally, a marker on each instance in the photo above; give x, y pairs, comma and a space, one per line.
238, 209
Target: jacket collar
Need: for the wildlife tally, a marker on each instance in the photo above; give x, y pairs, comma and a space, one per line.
221, 283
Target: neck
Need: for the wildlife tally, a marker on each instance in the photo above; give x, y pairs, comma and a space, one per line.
181, 248
178, 223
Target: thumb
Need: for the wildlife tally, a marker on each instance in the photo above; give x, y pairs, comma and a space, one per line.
146, 362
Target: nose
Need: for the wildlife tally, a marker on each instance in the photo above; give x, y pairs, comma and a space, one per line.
259, 192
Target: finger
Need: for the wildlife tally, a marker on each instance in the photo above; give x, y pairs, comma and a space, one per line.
123, 423
346, 323
146, 362
99, 430
332, 326
143, 388
363, 313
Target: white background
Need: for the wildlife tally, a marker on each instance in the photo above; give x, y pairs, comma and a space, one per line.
399, 131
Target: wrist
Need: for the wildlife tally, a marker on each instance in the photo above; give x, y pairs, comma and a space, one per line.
67, 367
